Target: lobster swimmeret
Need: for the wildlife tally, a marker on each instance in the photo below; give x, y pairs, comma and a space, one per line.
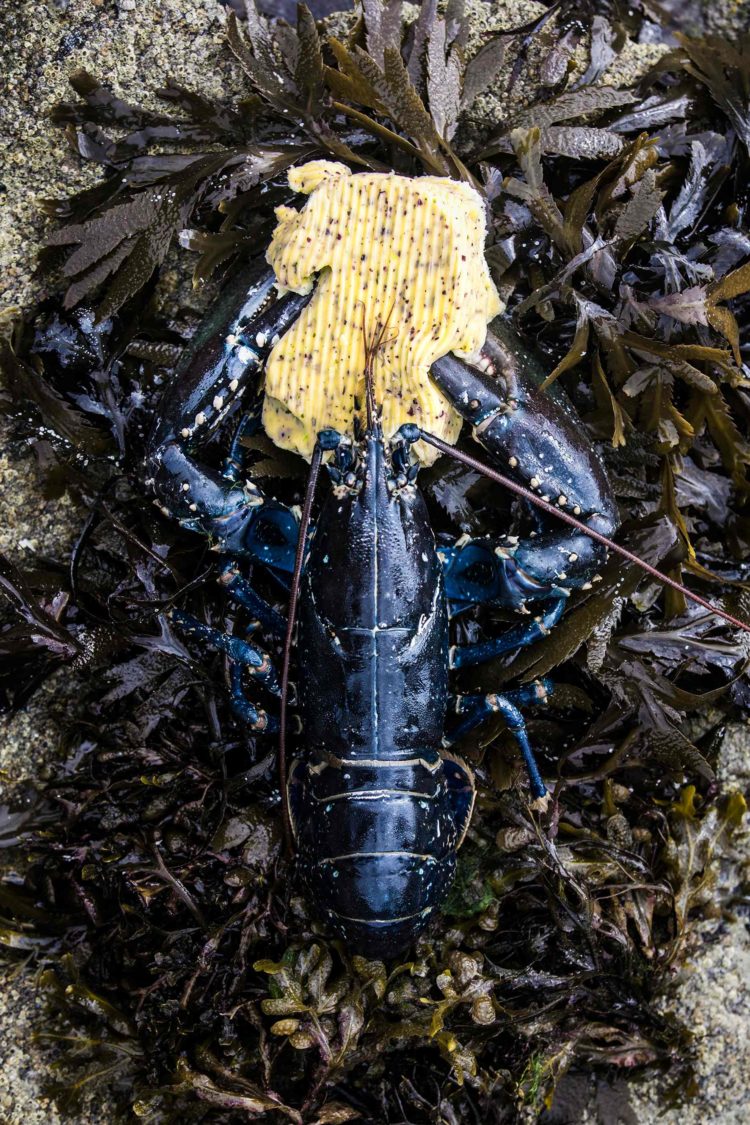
377, 801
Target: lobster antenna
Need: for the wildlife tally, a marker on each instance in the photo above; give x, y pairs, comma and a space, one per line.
299, 559
519, 490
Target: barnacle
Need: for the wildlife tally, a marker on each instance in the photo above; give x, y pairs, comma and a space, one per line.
402, 274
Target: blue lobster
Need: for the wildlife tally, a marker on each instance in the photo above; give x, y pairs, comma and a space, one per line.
377, 802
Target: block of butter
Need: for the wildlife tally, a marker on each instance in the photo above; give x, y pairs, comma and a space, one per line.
398, 267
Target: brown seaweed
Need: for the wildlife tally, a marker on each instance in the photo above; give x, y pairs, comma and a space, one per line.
151, 887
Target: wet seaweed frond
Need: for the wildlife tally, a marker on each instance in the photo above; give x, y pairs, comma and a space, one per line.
150, 885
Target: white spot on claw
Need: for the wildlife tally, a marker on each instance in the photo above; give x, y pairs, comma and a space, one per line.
218, 402
200, 419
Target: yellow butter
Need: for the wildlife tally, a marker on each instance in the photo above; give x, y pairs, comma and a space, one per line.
399, 261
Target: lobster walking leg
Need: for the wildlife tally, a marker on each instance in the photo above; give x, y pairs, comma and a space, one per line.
253, 716
476, 709
241, 591
519, 636
245, 659
258, 664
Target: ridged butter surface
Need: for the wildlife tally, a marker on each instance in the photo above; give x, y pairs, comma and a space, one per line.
399, 261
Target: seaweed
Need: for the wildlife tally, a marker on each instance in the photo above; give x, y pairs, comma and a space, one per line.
150, 886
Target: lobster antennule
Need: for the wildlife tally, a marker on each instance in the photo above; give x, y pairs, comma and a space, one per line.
372, 347
415, 432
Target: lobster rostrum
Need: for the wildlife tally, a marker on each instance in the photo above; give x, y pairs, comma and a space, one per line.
377, 801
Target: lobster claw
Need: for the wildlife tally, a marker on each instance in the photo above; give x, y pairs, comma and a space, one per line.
481, 572
271, 538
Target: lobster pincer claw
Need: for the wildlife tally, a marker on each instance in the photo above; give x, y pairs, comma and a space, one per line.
536, 438
516, 585
481, 572
225, 361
